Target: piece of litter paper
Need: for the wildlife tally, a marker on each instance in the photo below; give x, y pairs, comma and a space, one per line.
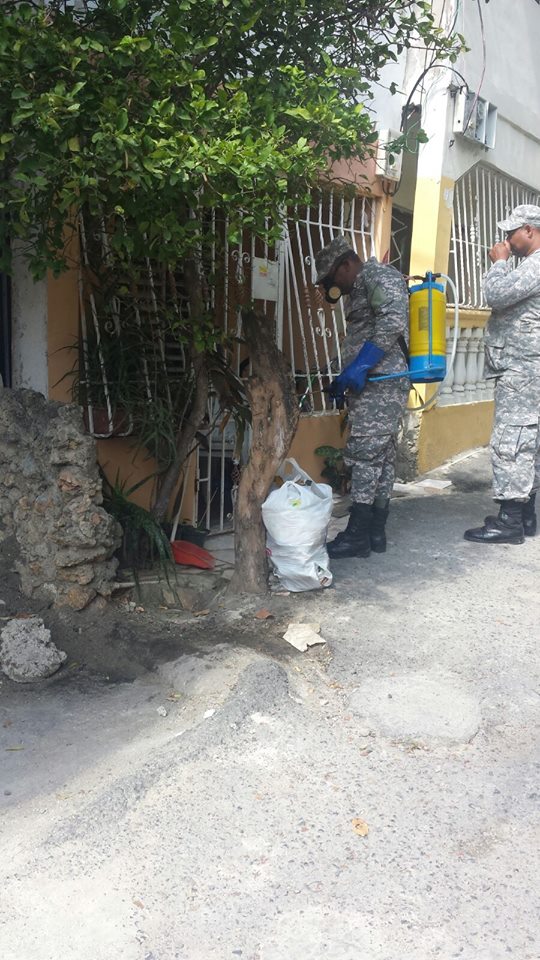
434, 484
303, 635
360, 827
208, 713
162, 711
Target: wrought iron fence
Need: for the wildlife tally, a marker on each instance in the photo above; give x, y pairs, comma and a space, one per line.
481, 198
310, 332
128, 342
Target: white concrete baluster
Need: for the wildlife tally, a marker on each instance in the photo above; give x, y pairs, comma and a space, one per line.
481, 383
471, 368
446, 389
490, 388
459, 366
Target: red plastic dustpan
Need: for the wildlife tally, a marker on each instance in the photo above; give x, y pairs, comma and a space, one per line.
191, 555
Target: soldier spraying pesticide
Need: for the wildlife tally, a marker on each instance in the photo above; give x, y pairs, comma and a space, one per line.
375, 344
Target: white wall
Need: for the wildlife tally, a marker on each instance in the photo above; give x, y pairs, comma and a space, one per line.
29, 329
511, 81
386, 107
508, 75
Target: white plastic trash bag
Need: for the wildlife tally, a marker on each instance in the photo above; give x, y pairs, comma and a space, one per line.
296, 518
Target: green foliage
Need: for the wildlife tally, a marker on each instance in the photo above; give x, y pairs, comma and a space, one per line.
149, 114
150, 110
335, 471
144, 541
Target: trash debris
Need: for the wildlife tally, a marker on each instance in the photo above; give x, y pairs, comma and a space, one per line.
263, 614
430, 483
360, 827
303, 635
208, 713
201, 613
162, 711
261, 718
421, 487
189, 554
296, 518
174, 696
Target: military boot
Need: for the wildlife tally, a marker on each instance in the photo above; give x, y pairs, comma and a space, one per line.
506, 528
354, 540
529, 516
379, 516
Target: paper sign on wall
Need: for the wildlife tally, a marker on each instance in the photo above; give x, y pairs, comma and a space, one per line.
264, 283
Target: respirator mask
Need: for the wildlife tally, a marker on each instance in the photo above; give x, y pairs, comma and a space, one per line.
332, 293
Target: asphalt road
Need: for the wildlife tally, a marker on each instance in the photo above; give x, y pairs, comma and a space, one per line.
373, 799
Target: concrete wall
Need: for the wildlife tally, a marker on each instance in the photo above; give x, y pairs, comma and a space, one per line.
511, 80
502, 67
29, 328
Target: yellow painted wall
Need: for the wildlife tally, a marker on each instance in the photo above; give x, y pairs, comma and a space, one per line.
313, 432
432, 225
447, 431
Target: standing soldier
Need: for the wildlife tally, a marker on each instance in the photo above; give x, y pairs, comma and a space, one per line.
512, 345
375, 344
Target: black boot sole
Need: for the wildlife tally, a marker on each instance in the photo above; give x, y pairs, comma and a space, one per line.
513, 541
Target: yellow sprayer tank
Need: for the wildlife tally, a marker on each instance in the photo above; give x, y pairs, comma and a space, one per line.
427, 327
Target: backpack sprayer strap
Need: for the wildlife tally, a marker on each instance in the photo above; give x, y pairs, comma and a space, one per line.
404, 348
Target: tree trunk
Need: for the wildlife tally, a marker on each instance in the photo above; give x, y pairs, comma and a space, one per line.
190, 425
274, 411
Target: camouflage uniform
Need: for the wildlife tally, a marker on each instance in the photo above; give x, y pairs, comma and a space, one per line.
512, 347
377, 311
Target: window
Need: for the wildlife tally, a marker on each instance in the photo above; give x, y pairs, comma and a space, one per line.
481, 198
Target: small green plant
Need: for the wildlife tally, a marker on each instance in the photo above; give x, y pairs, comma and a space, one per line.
144, 541
335, 470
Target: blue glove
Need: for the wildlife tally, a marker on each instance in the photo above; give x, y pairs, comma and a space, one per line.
354, 376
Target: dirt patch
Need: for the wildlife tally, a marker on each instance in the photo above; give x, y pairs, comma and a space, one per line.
117, 643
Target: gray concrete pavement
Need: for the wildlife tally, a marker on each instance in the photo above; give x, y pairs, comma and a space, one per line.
225, 829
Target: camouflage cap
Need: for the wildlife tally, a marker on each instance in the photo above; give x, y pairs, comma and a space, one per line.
326, 258
526, 213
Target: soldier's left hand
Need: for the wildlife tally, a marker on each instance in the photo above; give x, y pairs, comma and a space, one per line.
500, 251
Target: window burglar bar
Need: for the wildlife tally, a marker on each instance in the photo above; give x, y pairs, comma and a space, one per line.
311, 331
481, 198
307, 330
